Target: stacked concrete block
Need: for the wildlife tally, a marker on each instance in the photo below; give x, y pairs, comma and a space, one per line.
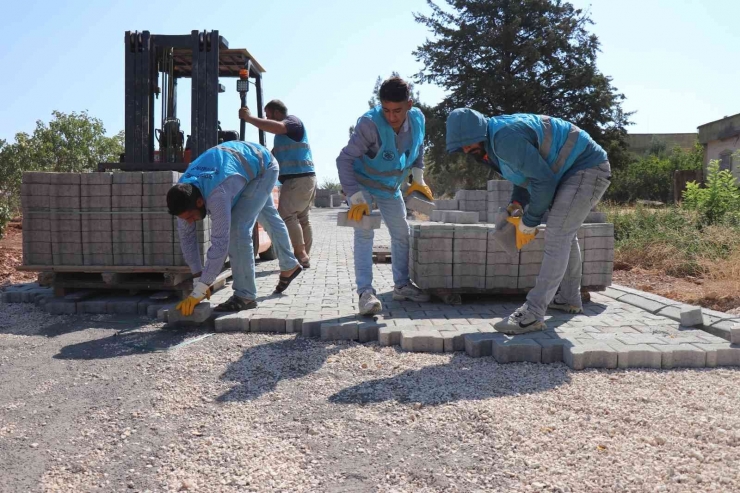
446, 204
530, 261
126, 222
499, 195
158, 244
502, 268
469, 257
36, 218
474, 201
66, 225
455, 217
323, 198
95, 218
430, 252
419, 203
598, 253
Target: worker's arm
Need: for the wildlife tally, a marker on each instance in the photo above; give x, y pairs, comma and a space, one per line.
520, 195
272, 126
419, 163
518, 148
189, 245
364, 140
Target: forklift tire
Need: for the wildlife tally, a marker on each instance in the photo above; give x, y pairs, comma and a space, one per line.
269, 254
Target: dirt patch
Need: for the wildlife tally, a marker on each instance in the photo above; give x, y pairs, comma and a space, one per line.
11, 256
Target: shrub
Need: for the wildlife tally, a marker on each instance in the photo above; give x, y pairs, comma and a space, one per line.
5, 217
720, 199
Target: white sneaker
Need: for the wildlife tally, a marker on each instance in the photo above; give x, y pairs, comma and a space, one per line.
521, 321
369, 303
410, 292
559, 304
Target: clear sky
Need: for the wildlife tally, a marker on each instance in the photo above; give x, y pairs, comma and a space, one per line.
675, 60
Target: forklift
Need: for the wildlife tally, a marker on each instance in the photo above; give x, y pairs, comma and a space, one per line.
154, 64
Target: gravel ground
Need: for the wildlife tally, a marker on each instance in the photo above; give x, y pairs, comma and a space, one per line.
84, 409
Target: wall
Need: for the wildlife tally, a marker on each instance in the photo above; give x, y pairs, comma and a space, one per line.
639, 144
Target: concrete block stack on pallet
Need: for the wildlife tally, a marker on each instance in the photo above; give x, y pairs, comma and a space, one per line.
474, 201
467, 258
36, 218
158, 232
66, 225
128, 237
97, 229
499, 196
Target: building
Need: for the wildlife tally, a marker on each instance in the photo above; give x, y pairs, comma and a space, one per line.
721, 139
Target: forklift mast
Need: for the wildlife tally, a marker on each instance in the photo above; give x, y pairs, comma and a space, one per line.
202, 56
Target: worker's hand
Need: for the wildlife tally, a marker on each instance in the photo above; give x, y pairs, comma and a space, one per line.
527, 230
515, 209
418, 184
358, 207
524, 234
244, 113
200, 291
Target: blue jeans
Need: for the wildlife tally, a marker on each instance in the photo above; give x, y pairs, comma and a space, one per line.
255, 204
561, 267
393, 211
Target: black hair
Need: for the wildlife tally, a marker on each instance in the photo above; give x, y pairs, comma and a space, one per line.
276, 104
182, 197
394, 90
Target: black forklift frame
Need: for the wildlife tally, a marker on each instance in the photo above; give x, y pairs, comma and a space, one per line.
203, 56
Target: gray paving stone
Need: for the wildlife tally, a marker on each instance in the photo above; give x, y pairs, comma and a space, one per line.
552, 349
389, 336
600, 255
201, 315
342, 331
56, 306
446, 205
422, 341
368, 331
120, 177
721, 354
636, 355
266, 323
312, 324
590, 355
480, 344
682, 356
599, 243
597, 267
460, 217
502, 282
644, 303
691, 316
233, 322
293, 324
159, 177
469, 282
371, 221
516, 350
417, 202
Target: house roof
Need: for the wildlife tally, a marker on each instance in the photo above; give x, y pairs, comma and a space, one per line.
725, 128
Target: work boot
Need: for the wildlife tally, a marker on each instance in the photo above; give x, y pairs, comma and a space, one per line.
410, 292
521, 321
369, 303
559, 304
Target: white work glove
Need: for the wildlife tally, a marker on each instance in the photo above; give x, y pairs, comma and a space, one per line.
199, 289
417, 175
358, 207
527, 230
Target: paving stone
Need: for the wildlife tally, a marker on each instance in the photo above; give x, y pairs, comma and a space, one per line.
460, 217
644, 303
120, 177
422, 341
96, 178
368, 331
502, 282
636, 355
552, 349
691, 316
371, 221
433, 270
201, 315
57, 306
233, 322
721, 354
590, 355
446, 205
159, 177
389, 336
599, 243
471, 195
682, 356
266, 323
516, 350
597, 267
346, 331
480, 344
417, 202
601, 255
469, 282
469, 257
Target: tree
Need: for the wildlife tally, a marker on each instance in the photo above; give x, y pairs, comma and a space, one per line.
69, 143
522, 56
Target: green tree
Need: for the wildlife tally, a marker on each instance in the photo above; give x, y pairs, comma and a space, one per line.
68, 143
520, 56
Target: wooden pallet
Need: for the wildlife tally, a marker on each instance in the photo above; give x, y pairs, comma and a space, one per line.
381, 254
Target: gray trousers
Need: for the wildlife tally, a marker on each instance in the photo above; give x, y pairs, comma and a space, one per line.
561, 266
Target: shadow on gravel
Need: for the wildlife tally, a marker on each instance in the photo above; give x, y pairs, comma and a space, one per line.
462, 379
261, 368
127, 342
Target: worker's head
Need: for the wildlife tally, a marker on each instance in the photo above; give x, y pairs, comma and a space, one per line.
186, 202
477, 150
395, 99
276, 110
467, 131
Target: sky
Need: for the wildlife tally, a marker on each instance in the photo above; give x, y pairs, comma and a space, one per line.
675, 61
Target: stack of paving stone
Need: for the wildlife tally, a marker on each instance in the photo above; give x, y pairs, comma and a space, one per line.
467, 258
322, 198
474, 201
102, 219
499, 196
36, 218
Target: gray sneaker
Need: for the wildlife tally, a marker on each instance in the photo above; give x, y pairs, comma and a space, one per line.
521, 321
369, 303
559, 304
410, 292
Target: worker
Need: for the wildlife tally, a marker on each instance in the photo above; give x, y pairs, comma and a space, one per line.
386, 143
297, 175
554, 165
233, 184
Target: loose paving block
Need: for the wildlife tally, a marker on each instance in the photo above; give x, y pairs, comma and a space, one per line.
233, 322
691, 316
480, 344
460, 217
422, 341
681, 356
641, 302
266, 323
439, 231
371, 221
36, 177
516, 350
437, 216
201, 315
499, 185
590, 355
347, 331
446, 205
419, 203
636, 355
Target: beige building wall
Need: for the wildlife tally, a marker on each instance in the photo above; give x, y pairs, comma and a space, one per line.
721, 139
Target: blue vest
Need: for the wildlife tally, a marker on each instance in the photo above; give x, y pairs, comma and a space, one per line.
212, 167
383, 175
560, 143
294, 157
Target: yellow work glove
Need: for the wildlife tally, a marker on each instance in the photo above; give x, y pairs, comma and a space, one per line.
524, 233
515, 209
418, 184
200, 291
358, 207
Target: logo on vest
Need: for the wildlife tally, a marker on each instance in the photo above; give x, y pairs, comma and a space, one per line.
389, 155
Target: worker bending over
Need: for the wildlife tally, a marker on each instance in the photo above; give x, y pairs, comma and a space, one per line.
232, 183
386, 143
553, 165
297, 175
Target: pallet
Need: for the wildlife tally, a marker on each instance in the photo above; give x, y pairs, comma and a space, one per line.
381, 254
